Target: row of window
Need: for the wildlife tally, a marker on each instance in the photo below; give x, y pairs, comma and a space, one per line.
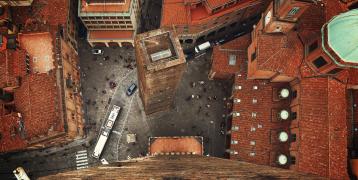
109, 27
104, 17
107, 22
320, 61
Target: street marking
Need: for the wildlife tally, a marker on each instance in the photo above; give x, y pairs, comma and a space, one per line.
82, 167
82, 164
81, 159
116, 132
81, 152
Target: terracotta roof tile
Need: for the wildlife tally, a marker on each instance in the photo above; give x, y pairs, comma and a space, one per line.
176, 145
10, 138
279, 53
52, 12
177, 12
319, 153
220, 57
37, 100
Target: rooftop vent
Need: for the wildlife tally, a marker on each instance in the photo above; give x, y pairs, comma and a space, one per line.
283, 114
282, 159
284, 93
161, 55
283, 136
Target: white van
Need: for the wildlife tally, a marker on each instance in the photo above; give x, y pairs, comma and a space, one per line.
201, 47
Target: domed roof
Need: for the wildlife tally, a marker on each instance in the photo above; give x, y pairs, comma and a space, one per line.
343, 35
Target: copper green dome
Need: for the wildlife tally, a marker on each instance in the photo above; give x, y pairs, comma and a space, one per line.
343, 35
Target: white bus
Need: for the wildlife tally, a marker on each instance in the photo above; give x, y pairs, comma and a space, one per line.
105, 131
20, 174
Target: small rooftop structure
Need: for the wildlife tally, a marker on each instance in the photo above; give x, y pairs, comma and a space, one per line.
160, 49
176, 145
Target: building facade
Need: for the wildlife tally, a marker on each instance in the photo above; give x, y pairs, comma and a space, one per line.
160, 63
40, 101
206, 20
110, 23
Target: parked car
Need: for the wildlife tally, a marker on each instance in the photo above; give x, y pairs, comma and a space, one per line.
131, 89
97, 51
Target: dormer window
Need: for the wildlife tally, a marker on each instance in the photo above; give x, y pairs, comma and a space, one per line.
319, 62
312, 47
293, 12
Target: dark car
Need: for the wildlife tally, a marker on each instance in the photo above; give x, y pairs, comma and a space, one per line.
131, 89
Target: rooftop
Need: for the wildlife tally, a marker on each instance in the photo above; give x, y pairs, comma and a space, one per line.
160, 48
181, 145
103, 6
179, 12
40, 48
344, 45
236, 49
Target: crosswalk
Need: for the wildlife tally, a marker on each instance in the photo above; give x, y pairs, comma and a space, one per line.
81, 159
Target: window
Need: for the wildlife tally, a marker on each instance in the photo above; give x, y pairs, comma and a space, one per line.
253, 56
232, 60
294, 115
335, 71
293, 12
293, 137
188, 41
181, 41
319, 62
294, 94
312, 47
293, 160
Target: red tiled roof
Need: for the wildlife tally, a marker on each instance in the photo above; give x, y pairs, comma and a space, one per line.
220, 58
264, 149
279, 53
12, 65
105, 7
323, 129
10, 140
177, 12
37, 100
52, 12
216, 3
176, 144
110, 34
